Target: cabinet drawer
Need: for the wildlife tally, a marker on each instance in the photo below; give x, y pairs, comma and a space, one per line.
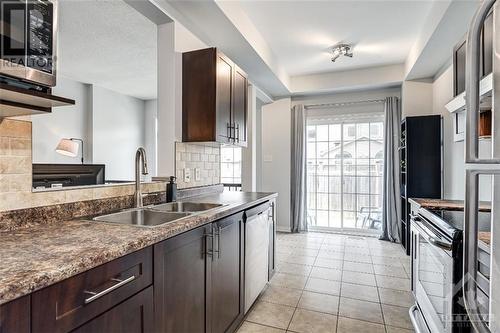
74, 301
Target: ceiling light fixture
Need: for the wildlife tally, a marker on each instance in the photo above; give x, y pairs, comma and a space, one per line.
341, 49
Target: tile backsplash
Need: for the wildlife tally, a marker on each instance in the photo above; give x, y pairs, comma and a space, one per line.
202, 156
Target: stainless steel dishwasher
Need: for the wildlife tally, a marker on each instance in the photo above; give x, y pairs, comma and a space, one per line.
256, 252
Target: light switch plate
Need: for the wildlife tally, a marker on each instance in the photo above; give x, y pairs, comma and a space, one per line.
197, 174
187, 175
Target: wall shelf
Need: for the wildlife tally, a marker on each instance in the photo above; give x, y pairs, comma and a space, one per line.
16, 101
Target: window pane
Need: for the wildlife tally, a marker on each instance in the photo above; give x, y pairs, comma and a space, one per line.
322, 167
322, 132
363, 202
349, 184
362, 185
363, 130
322, 184
335, 132
363, 167
334, 186
376, 131
322, 201
311, 150
335, 203
322, 218
322, 149
376, 185
362, 149
311, 133
349, 202
311, 200
335, 219
376, 149
349, 132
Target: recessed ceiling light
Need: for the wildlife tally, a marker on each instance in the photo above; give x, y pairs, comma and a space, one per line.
341, 49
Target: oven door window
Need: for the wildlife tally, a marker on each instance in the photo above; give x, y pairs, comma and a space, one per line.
434, 283
13, 31
40, 41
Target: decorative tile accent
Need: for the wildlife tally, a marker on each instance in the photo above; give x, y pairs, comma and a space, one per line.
203, 156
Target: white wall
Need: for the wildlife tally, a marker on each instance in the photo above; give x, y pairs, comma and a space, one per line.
64, 122
416, 98
150, 128
276, 140
454, 171
118, 130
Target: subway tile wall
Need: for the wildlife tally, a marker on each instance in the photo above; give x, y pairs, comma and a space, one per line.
15, 175
203, 156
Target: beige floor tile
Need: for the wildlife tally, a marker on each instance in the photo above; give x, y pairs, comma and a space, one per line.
305, 321
386, 261
390, 282
391, 329
319, 302
295, 269
327, 254
271, 314
359, 278
358, 267
396, 316
348, 325
323, 286
248, 327
353, 308
328, 263
281, 295
289, 280
326, 273
390, 271
305, 252
364, 258
299, 259
365, 293
396, 297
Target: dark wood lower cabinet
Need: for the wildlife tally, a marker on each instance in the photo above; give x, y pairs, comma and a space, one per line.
199, 279
226, 290
15, 316
135, 315
179, 280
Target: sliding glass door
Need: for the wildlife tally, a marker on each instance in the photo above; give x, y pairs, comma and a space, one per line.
345, 174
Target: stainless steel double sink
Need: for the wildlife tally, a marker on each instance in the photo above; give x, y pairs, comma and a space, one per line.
151, 216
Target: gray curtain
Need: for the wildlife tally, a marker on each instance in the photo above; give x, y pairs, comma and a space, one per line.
298, 170
391, 210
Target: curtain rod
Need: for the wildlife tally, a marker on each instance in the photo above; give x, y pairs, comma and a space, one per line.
309, 106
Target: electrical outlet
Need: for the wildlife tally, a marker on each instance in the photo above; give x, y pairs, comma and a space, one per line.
197, 174
187, 175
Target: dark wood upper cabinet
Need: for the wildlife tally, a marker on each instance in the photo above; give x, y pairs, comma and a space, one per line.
179, 280
487, 46
214, 98
459, 68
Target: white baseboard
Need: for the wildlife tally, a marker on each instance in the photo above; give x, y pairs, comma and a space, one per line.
283, 229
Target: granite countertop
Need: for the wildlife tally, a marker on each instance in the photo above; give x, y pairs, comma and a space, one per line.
448, 204
40, 255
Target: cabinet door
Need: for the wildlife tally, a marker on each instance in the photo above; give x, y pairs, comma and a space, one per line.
240, 107
179, 279
135, 315
459, 69
15, 316
226, 292
224, 98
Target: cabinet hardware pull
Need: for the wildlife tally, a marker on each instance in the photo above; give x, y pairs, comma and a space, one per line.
237, 132
219, 249
108, 290
210, 235
228, 126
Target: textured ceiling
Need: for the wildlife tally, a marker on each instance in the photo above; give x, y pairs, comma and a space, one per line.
110, 44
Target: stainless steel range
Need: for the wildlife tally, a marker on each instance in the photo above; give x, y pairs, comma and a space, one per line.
437, 270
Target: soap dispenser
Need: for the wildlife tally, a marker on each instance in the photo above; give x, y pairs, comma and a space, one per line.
172, 190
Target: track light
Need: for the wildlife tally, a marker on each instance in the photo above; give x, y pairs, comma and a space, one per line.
341, 49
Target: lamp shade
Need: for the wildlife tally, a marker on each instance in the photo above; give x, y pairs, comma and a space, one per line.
67, 147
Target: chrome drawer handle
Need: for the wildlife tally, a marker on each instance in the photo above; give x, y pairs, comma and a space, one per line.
107, 291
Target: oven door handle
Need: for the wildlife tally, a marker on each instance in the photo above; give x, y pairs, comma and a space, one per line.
447, 246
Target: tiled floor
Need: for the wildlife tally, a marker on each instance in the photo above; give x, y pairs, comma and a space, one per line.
335, 283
